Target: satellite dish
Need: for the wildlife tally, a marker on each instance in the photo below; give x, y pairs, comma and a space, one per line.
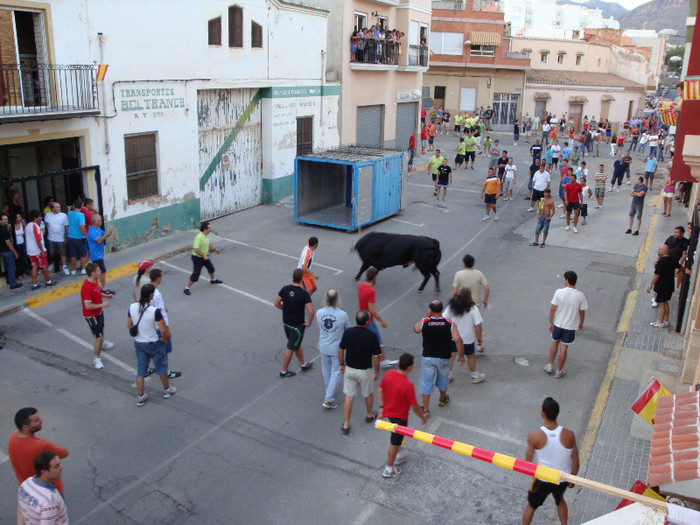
668, 32
428, 102
675, 59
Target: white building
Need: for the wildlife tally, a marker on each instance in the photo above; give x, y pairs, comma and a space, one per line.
202, 110
545, 18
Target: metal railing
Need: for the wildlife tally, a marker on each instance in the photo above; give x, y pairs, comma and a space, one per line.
30, 89
370, 51
517, 54
418, 56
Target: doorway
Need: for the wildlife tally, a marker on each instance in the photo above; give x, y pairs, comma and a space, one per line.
575, 112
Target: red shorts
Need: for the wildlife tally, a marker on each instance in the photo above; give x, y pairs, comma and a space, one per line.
308, 282
40, 261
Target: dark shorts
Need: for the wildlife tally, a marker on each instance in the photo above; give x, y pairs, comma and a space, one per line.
537, 195
443, 183
571, 206
397, 439
584, 210
457, 127
649, 175
56, 248
468, 348
636, 209
96, 324
555, 161
295, 335
434, 176
490, 198
197, 264
430, 139
562, 334
77, 247
470, 155
459, 158
663, 296
539, 490
101, 265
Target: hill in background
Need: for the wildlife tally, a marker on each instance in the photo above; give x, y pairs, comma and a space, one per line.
658, 15
609, 8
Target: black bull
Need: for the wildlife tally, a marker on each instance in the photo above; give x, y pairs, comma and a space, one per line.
383, 250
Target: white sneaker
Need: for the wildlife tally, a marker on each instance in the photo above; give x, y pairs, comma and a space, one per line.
496, 216
618, 190
402, 456
140, 400
562, 216
575, 230
82, 272
478, 378
560, 206
628, 182
97, 362
559, 374
66, 271
387, 363
610, 190
530, 209
107, 345
486, 218
72, 272
548, 368
567, 228
167, 392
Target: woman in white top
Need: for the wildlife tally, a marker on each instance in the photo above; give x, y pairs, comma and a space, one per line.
17, 231
464, 313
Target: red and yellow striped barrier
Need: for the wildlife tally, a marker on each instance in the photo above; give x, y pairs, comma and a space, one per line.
501, 460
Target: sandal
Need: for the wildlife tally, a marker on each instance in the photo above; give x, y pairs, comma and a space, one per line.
344, 430
443, 403
371, 418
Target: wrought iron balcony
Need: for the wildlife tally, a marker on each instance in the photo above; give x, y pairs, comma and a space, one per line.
39, 91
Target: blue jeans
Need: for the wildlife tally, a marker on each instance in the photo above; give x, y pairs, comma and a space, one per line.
154, 351
9, 259
331, 374
434, 372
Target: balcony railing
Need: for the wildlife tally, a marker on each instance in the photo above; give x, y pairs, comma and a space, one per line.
517, 54
40, 89
488, 5
418, 56
455, 5
370, 51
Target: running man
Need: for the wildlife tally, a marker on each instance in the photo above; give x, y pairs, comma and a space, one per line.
200, 257
305, 260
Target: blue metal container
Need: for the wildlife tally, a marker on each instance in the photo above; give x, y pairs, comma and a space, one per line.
347, 188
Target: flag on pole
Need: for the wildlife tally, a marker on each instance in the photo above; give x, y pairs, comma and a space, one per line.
101, 72
640, 488
691, 88
645, 406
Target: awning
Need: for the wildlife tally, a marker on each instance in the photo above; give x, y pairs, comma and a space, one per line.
578, 100
484, 38
607, 98
542, 95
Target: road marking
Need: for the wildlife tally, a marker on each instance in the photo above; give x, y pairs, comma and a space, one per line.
334, 270
366, 514
80, 341
411, 223
246, 294
60, 292
440, 420
431, 206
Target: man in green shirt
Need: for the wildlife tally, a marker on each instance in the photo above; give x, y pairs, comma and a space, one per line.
469, 149
459, 119
200, 257
435, 163
574, 158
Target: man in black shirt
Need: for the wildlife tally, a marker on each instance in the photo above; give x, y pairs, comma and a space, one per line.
293, 300
534, 167
663, 284
8, 253
438, 334
358, 353
677, 247
536, 150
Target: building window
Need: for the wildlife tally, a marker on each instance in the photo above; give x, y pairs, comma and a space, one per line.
439, 92
141, 165
447, 43
426, 92
578, 59
215, 32
235, 26
305, 142
383, 22
543, 58
560, 58
360, 21
256, 38
482, 51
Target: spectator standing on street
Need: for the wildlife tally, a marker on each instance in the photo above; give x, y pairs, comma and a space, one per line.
663, 283
472, 279
600, 180
494, 154
489, 192
411, 150
444, 179
488, 115
585, 195
294, 302
332, 323
77, 237
39, 501
619, 167
397, 396
305, 260
8, 253
551, 446
638, 192
573, 194
545, 211
438, 334
509, 179
565, 317
156, 278
36, 250
650, 170
462, 311
435, 162
200, 257
678, 248
143, 267
92, 299
540, 182
96, 237
423, 138
367, 300
536, 151
358, 354
56, 230
669, 192
149, 342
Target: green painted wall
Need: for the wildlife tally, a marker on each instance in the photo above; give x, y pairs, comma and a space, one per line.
277, 189
150, 225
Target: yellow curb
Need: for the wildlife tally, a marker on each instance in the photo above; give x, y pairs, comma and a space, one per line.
623, 325
66, 290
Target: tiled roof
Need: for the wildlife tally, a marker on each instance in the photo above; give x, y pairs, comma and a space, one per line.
674, 462
578, 78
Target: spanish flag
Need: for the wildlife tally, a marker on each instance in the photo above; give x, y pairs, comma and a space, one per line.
691, 88
645, 406
640, 488
101, 72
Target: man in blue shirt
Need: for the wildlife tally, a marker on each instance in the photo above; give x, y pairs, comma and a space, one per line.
96, 237
650, 170
77, 232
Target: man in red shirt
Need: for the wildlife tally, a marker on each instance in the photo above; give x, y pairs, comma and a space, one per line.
396, 395
573, 196
23, 446
92, 299
367, 298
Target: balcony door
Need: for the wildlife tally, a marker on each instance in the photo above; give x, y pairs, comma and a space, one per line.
23, 82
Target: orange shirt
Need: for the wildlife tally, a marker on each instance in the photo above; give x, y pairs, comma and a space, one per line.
23, 450
492, 185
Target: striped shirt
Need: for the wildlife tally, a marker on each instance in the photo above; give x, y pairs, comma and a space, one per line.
40, 503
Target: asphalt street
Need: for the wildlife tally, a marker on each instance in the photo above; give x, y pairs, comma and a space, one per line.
237, 444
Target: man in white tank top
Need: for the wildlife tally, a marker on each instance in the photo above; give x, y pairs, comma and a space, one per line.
552, 446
